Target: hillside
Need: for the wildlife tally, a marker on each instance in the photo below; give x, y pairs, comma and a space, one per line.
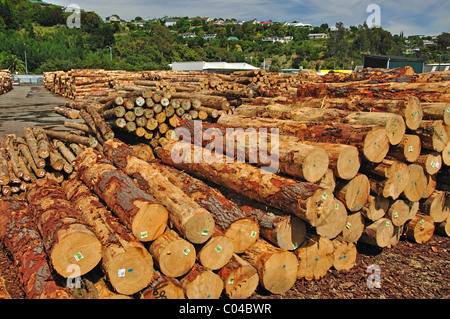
41, 33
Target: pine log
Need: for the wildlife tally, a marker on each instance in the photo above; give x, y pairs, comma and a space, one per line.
284, 231
67, 241
239, 278
443, 228
354, 194
72, 138
344, 255
375, 208
125, 261
398, 212
21, 238
236, 225
407, 150
277, 268
306, 200
446, 154
374, 149
434, 135
202, 283
163, 287
335, 223
295, 158
437, 206
378, 233
420, 229
216, 252
430, 161
315, 257
139, 211
42, 142
99, 121
437, 111
4, 173
174, 255
193, 221
416, 184
354, 228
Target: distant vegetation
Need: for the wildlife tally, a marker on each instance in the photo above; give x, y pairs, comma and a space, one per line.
41, 32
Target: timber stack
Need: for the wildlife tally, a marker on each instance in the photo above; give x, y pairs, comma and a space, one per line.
5, 81
282, 188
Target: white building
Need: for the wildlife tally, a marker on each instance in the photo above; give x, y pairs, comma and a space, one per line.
211, 67
278, 39
208, 37
318, 36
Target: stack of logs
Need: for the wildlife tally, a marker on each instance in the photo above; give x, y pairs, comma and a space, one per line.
5, 81
308, 174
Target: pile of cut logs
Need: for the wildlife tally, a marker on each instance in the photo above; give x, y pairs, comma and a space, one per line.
301, 175
5, 81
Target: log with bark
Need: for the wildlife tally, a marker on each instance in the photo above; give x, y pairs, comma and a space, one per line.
420, 229
22, 239
193, 221
306, 200
163, 287
216, 252
240, 279
202, 283
277, 268
67, 240
140, 212
125, 261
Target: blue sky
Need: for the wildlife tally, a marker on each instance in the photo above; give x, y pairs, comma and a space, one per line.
429, 17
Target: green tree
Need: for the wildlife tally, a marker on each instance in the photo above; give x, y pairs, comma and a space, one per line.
12, 62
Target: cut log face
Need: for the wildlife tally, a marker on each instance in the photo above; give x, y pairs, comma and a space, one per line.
344, 255
315, 257
378, 233
354, 194
437, 206
277, 269
202, 283
354, 228
239, 277
216, 253
67, 241
174, 255
375, 208
376, 145
21, 238
335, 222
420, 229
416, 185
140, 212
163, 287
398, 213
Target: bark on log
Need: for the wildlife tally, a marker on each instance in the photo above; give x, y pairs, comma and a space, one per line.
277, 268
174, 255
306, 200
22, 239
126, 262
236, 225
193, 221
239, 278
67, 241
354, 194
141, 213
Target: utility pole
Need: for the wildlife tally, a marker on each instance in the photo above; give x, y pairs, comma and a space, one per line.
110, 52
26, 65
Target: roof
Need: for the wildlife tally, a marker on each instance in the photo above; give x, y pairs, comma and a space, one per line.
394, 58
204, 66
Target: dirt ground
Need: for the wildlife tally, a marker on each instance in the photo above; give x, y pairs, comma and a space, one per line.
29, 105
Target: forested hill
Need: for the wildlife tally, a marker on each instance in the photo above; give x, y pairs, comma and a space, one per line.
40, 32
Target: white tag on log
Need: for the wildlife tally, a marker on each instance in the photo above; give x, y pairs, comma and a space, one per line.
121, 273
186, 251
144, 234
78, 256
